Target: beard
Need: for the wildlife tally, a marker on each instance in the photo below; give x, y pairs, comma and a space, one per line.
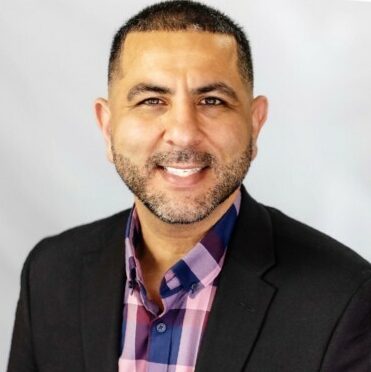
189, 207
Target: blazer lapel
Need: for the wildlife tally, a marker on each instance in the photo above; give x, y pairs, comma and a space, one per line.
102, 287
243, 297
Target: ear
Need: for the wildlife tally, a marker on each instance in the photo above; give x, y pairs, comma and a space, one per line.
259, 113
103, 116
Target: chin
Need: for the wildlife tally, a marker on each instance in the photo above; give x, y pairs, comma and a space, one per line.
191, 210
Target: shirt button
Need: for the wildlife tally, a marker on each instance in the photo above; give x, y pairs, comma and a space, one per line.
161, 327
194, 287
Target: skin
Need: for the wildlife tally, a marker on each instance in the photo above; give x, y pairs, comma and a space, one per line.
179, 125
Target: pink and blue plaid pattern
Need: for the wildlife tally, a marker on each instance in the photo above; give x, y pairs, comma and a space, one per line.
169, 341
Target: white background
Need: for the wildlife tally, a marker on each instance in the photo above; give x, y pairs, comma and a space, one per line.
312, 60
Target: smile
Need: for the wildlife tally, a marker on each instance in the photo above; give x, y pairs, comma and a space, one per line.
182, 172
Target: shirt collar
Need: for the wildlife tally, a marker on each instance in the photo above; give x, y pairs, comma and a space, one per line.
198, 268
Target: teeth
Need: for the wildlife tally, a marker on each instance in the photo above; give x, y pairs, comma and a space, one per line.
182, 172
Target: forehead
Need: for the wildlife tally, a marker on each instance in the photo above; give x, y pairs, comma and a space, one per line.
181, 52
192, 39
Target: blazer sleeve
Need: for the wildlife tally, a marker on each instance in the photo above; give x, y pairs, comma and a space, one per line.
349, 348
21, 358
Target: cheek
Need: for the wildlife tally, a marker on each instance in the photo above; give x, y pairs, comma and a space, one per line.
232, 139
134, 138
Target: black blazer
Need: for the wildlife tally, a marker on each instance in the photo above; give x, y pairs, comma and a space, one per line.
290, 299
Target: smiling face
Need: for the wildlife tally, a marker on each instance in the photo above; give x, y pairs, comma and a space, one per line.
180, 123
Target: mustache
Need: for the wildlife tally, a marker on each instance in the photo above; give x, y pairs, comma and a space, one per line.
185, 156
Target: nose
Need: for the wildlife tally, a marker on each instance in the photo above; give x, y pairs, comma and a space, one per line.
182, 127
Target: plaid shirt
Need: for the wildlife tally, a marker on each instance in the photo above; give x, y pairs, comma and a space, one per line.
169, 341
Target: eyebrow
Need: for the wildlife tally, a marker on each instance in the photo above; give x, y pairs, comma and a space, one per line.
146, 88
152, 88
216, 87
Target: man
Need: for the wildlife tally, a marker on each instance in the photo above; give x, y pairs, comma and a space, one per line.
198, 275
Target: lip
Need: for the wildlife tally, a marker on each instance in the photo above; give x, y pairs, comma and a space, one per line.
183, 166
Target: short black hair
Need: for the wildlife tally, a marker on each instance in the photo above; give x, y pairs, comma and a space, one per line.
183, 15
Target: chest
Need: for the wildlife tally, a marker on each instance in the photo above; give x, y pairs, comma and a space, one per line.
170, 335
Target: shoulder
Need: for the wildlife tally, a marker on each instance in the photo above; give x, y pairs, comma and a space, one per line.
312, 254
67, 245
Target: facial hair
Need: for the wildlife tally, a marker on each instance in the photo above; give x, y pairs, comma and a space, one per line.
190, 208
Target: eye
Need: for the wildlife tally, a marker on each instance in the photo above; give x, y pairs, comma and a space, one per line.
151, 102
212, 101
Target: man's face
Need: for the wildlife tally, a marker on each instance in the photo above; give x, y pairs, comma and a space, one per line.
180, 123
